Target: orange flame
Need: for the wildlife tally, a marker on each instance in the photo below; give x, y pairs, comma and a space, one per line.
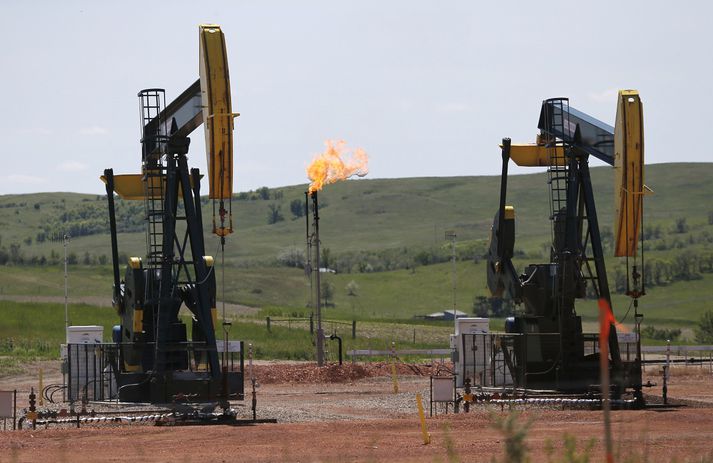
336, 162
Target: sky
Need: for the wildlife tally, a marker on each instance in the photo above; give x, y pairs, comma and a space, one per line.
427, 88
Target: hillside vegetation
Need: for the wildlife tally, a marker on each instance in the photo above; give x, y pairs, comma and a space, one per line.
385, 238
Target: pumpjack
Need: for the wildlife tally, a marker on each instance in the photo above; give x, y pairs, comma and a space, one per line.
549, 345
155, 361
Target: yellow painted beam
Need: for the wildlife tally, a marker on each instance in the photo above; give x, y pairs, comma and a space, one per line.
217, 111
131, 186
629, 185
532, 155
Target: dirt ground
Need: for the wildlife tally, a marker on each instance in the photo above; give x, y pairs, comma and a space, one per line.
351, 413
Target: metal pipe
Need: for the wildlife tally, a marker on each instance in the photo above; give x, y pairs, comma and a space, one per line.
320, 332
665, 371
66, 305
109, 175
339, 342
252, 381
308, 264
503, 192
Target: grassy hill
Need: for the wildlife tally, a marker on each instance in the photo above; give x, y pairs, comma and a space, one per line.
397, 218
358, 215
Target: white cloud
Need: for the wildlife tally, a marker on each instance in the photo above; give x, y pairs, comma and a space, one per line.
95, 130
604, 96
71, 166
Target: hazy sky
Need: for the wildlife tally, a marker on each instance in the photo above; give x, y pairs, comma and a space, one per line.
426, 88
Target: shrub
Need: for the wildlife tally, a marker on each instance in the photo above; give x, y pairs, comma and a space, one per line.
292, 257
274, 214
297, 208
662, 334
704, 332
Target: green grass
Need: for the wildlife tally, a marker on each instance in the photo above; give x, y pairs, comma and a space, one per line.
31, 331
364, 215
296, 343
34, 331
49, 280
380, 214
46, 321
391, 296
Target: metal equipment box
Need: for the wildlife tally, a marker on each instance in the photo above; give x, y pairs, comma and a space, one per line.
470, 360
91, 334
84, 372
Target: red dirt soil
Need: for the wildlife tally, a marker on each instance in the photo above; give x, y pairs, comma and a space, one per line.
351, 413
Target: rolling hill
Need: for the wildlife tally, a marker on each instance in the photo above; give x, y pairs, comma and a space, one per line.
393, 222
358, 215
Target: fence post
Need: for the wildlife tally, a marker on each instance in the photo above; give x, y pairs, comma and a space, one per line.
353, 329
268, 324
311, 323
393, 367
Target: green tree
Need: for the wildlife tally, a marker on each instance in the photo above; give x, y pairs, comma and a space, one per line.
327, 293
661, 334
297, 208
607, 238
292, 257
263, 193
352, 288
325, 260
481, 306
704, 332
274, 214
681, 226
15, 253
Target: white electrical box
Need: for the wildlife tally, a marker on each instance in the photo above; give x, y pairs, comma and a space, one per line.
472, 325
472, 350
628, 345
83, 361
91, 334
233, 346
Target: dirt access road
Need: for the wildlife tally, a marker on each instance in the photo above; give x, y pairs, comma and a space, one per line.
351, 413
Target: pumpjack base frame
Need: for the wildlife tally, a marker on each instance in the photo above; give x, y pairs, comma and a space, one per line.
176, 387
